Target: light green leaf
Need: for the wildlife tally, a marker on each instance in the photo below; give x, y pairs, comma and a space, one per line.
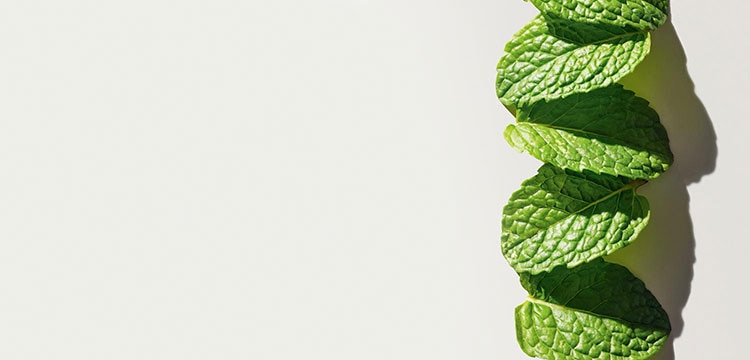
565, 217
538, 65
608, 130
633, 15
597, 310
583, 33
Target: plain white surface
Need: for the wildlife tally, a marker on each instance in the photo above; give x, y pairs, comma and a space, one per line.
321, 180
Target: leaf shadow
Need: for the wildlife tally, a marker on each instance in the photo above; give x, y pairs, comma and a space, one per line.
664, 255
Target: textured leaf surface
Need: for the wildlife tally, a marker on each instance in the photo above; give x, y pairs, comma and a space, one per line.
583, 33
565, 217
608, 130
597, 310
538, 65
634, 15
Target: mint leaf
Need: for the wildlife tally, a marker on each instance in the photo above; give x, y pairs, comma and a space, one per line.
608, 130
538, 65
597, 310
599, 142
565, 217
582, 33
633, 15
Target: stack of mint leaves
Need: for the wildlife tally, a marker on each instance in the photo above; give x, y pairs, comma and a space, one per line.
599, 142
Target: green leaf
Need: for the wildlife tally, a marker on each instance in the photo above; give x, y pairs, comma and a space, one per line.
562, 217
633, 15
608, 130
582, 33
538, 65
597, 310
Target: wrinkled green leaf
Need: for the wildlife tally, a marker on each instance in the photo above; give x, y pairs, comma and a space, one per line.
582, 33
608, 130
597, 310
562, 217
538, 65
632, 15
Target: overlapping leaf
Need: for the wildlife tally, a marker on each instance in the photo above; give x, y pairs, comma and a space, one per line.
600, 141
539, 65
562, 217
608, 130
632, 15
597, 310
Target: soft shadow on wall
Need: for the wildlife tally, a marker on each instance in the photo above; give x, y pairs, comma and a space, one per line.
664, 255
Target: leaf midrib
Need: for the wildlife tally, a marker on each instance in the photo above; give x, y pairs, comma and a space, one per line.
575, 46
631, 185
581, 131
599, 42
534, 300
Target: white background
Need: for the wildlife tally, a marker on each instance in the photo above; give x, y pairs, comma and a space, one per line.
323, 180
